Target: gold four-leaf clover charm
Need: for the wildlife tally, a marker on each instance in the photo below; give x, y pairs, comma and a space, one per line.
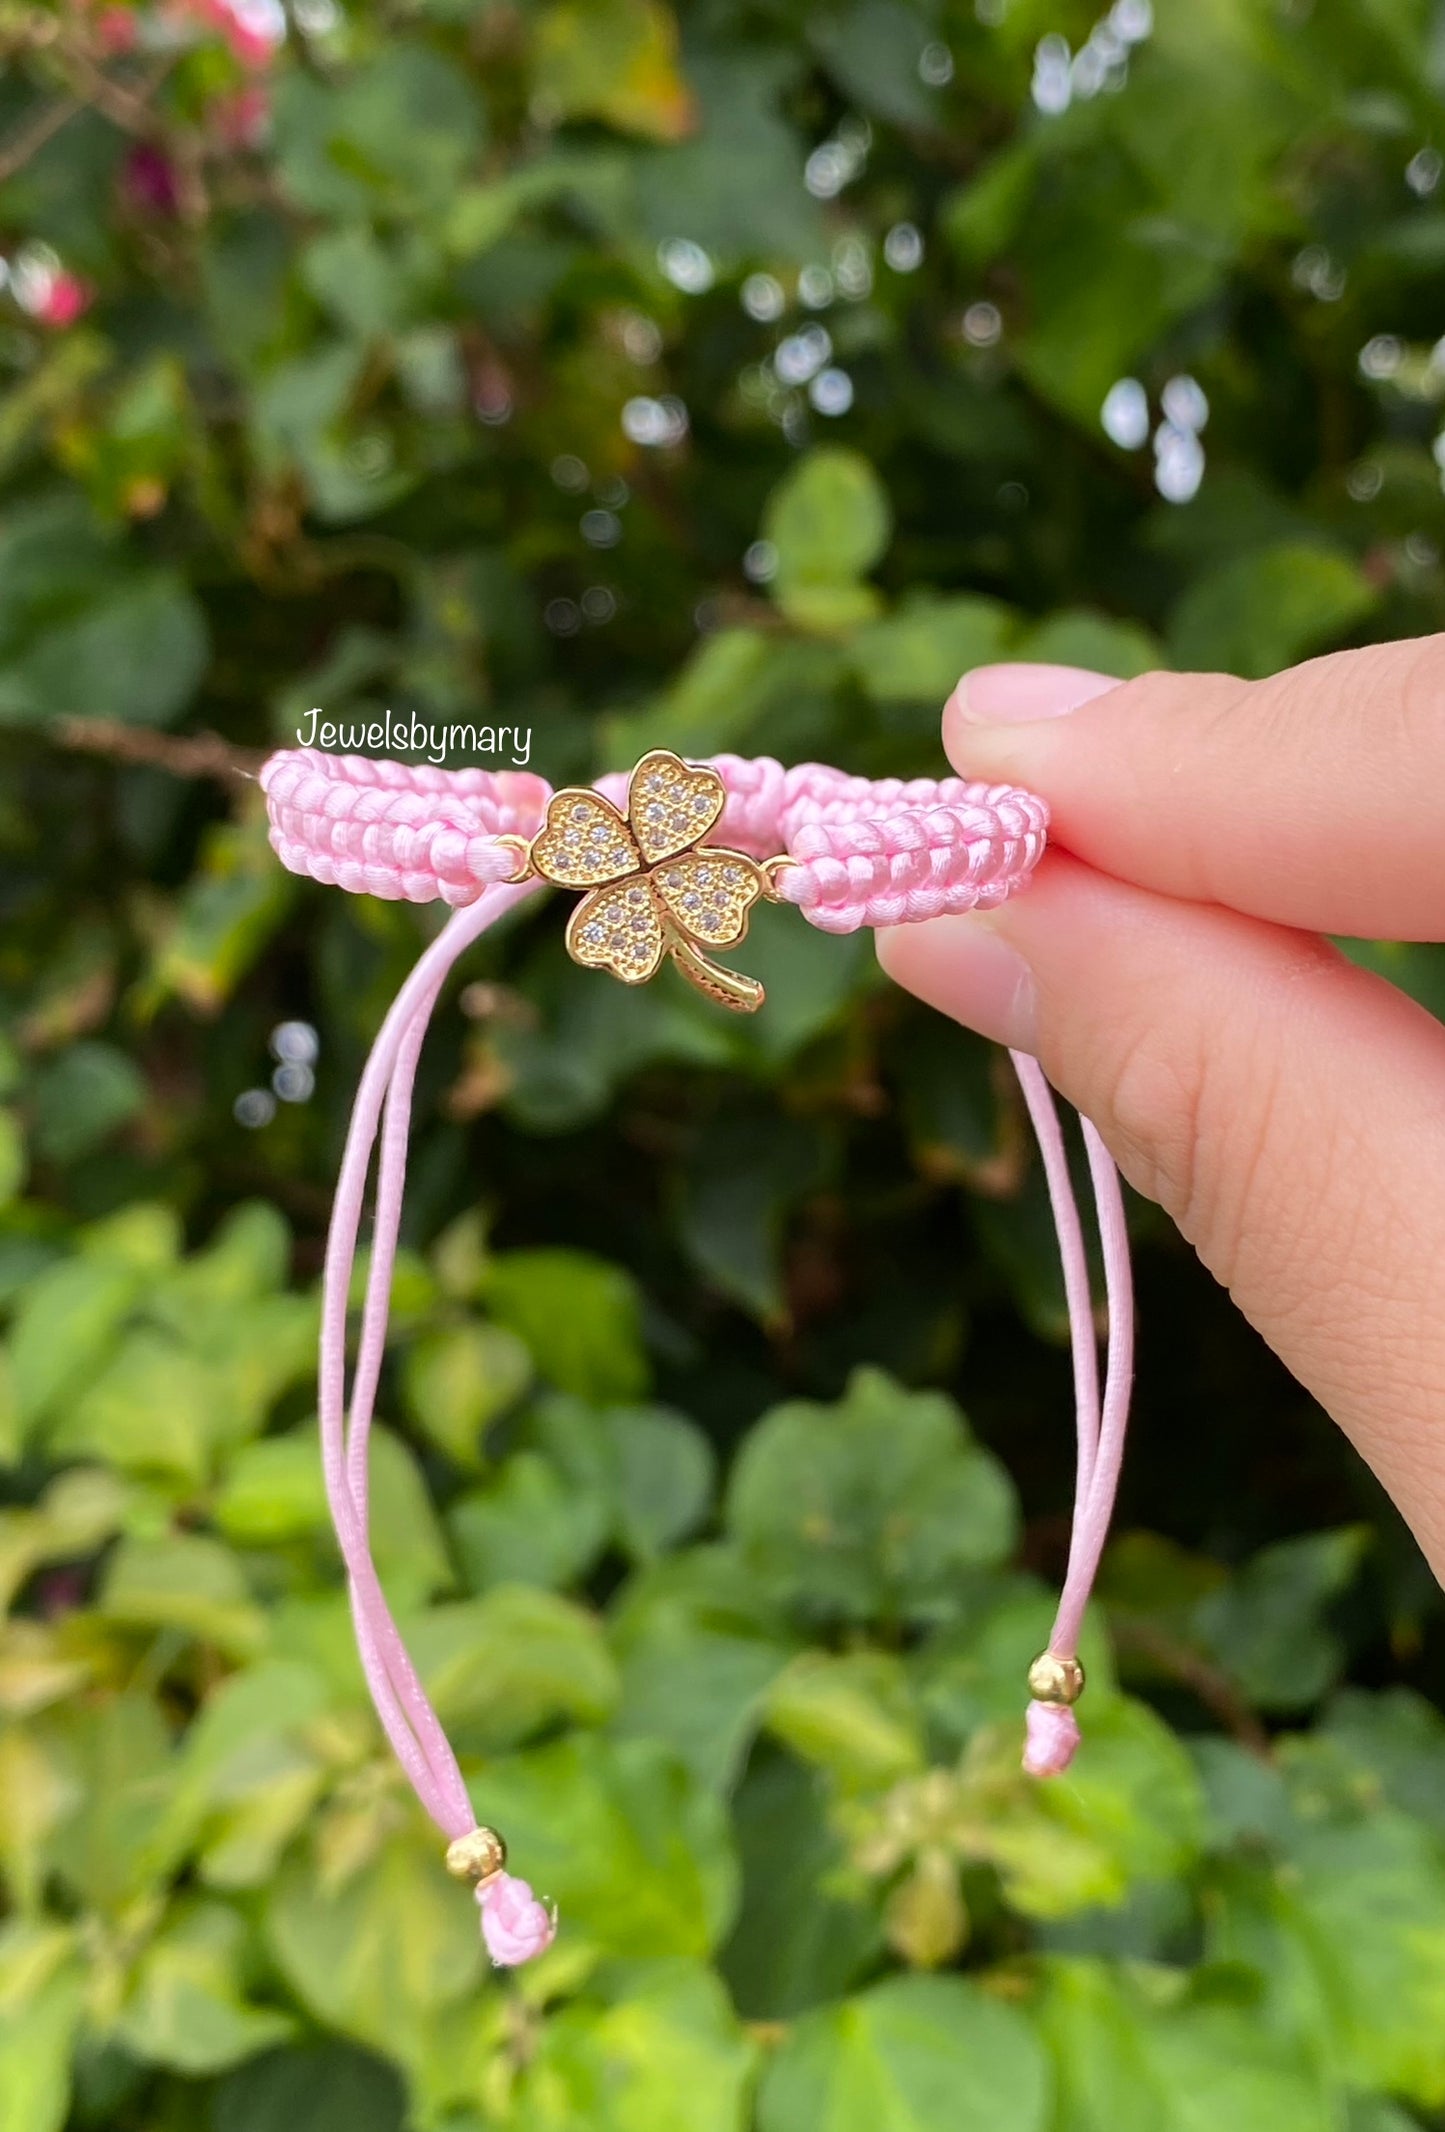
651, 892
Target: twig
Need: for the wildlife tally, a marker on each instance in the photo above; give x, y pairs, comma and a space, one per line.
127, 108
130, 109
29, 140
183, 755
1208, 1682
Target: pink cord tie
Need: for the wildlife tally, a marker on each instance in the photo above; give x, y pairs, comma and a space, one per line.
671, 860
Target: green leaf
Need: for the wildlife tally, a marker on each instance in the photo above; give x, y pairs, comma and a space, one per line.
969, 1672
1349, 1944
113, 1848
1160, 2052
275, 1490
811, 979
78, 1511
150, 1410
248, 1256
915, 2054
184, 2009
66, 1321
361, 284
733, 186
327, 2087
853, 1716
459, 1379
917, 654
145, 1238
712, 702
1087, 326
743, 1180
37, 1795
1396, 1739
578, 1315
89, 1092
872, 1509
506, 1666
953, 1107
182, 1582
13, 1163
665, 1472
614, 60
528, 1525
666, 2051
829, 522
1131, 1812
134, 652
378, 1957
42, 1989
637, 1857
231, 907
873, 49
1268, 1625
1261, 612
397, 135
799, 1940
696, 1661
1077, 637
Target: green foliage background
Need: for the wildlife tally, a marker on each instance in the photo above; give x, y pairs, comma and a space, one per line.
725, 1603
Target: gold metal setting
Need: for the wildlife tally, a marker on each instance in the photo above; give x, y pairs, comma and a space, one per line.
477, 1857
1055, 1680
653, 889
522, 846
771, 869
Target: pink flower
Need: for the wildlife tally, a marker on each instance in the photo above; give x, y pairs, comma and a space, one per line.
117, 29
149, 180
250, 44
240, 119
63, 301
515, 1925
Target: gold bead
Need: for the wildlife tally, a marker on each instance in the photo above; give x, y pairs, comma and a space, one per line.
1055, 1680
477, 1856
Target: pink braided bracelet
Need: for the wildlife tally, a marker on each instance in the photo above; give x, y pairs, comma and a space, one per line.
671, 860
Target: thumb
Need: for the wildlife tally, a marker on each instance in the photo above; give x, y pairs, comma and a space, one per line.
1235, 1070
1311, 798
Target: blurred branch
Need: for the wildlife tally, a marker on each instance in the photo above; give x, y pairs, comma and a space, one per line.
1209, 1683
183, 755
29, 140
89, 85
130, 109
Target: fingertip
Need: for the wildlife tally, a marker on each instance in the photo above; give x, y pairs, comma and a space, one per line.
1013, 695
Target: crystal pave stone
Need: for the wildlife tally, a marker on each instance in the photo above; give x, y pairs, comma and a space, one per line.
584, 842
674, 804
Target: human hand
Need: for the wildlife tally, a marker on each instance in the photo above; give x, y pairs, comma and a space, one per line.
1165, 965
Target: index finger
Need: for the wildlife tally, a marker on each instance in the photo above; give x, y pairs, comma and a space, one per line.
1315, 799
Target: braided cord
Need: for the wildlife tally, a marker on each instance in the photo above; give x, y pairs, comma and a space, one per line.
864, 852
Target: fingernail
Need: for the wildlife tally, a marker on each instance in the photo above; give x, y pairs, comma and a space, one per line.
964, 968
1011, 695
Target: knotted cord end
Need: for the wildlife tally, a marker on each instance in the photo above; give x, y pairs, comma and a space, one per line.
515, 1926
1053, 1739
